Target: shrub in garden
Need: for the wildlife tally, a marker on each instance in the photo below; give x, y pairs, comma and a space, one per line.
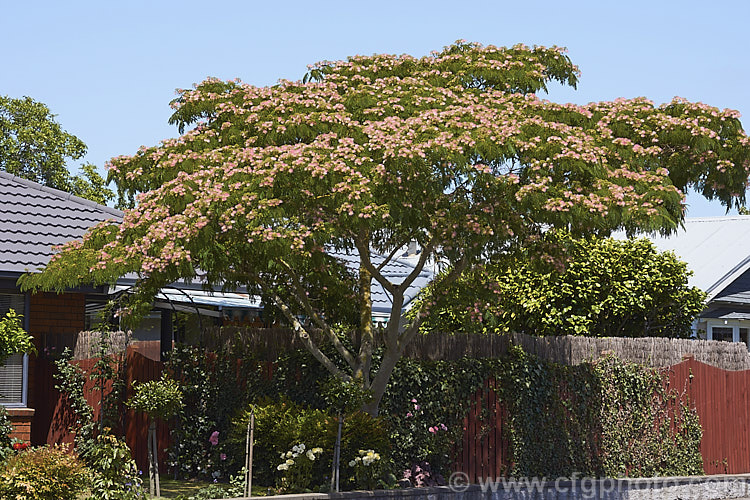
45, 473
115, 475
279, 426
6, 427
159, 399
369, 471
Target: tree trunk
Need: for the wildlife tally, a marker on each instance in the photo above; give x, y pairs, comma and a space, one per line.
380, 382
153, 461
362, 373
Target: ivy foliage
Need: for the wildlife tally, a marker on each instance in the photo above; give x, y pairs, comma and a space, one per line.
607, 418
71, 381
559, 285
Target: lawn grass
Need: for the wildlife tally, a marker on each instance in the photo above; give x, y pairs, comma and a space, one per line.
171, 488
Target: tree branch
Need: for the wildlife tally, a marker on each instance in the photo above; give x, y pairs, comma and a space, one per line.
306, 340
426, 252
363, 249
390, 255
301, 296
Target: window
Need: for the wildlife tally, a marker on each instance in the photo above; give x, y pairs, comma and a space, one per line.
13, 374
729, 330
723, 333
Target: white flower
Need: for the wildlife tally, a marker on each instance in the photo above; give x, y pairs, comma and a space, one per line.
289, 454
289, 462
310, 454
352, 463
317, 450
283, 455
283, 466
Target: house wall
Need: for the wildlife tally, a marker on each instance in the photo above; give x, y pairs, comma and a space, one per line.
49, 314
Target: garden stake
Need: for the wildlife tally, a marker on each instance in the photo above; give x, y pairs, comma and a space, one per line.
337, 457
153, 465
249, 454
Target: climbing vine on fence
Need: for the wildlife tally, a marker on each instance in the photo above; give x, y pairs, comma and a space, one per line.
607, 418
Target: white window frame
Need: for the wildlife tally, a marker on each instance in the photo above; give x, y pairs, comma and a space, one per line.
25, 360
734, 324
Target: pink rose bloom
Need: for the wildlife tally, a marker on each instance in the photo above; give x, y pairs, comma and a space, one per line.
416, 407
413, 400
432, 430
223, 456
442, 426
409, 414
214, 439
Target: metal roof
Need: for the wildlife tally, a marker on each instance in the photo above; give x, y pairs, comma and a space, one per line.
716, 249
34, 218
726, 313
395, 271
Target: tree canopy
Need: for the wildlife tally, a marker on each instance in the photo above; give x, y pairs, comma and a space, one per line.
34, 146
599, 287
453, 151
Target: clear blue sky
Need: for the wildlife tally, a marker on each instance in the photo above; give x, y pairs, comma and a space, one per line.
109, 69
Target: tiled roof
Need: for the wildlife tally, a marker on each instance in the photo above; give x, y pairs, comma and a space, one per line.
34, 218
396, 272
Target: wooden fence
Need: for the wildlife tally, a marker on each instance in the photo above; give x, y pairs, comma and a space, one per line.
54, 418
721, 398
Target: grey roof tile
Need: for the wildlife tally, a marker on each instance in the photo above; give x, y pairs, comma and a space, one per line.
395, 271
34, 218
